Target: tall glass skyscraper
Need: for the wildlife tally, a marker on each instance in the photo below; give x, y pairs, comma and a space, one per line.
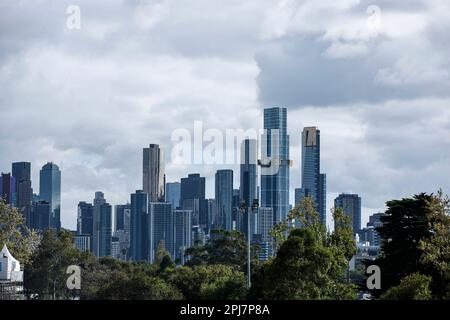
105, 230
224, 198
275, 163
140, 240
154, 178
192, 197
21, 171
173, 193
248, 181
351, 205
7, 188
99, 200
313, 182
50, 191
182, 230
85, 220
122, 210
161, 220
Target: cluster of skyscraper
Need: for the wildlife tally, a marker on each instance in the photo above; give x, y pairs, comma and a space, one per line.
177, 215
40, 211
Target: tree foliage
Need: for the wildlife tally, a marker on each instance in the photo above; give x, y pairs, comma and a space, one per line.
310, 263
224, 248
20, 240
416, 239
412, 287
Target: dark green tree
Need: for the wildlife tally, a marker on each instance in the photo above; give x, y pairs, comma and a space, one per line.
412, 287
208, 282
405, 226
224, 248
310, 263
46, 276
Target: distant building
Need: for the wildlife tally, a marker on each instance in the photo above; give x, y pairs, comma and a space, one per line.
41, 216
7, 188
351, 205
99, 200
173, 194
82, 242
140, 232
182, 234
115, 248
192, 196
224, 198
154, 178
21, 171
122, 213
275, 163
211, 213
161, 226
265, 224
85, 220
313, 182
248, 180
50, 191
105, 229
370, 233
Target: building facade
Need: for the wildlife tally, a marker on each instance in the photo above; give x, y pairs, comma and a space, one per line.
153, 173
224, 198
351, 205
275, 163
50, 191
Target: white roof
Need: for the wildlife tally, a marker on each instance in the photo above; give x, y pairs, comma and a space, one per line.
6, 254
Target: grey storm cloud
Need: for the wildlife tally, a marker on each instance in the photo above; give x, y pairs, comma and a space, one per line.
137, 70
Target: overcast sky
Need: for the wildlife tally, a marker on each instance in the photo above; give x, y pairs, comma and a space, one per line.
372, 75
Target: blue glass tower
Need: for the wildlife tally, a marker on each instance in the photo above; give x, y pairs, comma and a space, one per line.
248, 181
50, 191
224, 198
21, 171
140, 240
173, 193
275, 163
161, 226
313, 182
105, 230
85, 220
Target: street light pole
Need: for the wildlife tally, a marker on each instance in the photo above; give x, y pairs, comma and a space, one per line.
249, 270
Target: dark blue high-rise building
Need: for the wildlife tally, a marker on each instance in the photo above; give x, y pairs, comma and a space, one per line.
313, 182
7, 188
161, 226
85, 219
121, 211
248, 182
351, 205
40, 216
140, 233
224, 198
192, 197
275, 163
173, 194
21, 172
50, 191
99, 200
105, 230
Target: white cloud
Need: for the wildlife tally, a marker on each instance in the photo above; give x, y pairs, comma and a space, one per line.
91, 99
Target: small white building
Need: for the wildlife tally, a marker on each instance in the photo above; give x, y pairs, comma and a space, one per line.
11, 277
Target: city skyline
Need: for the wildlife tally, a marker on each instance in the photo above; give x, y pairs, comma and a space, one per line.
90, 99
